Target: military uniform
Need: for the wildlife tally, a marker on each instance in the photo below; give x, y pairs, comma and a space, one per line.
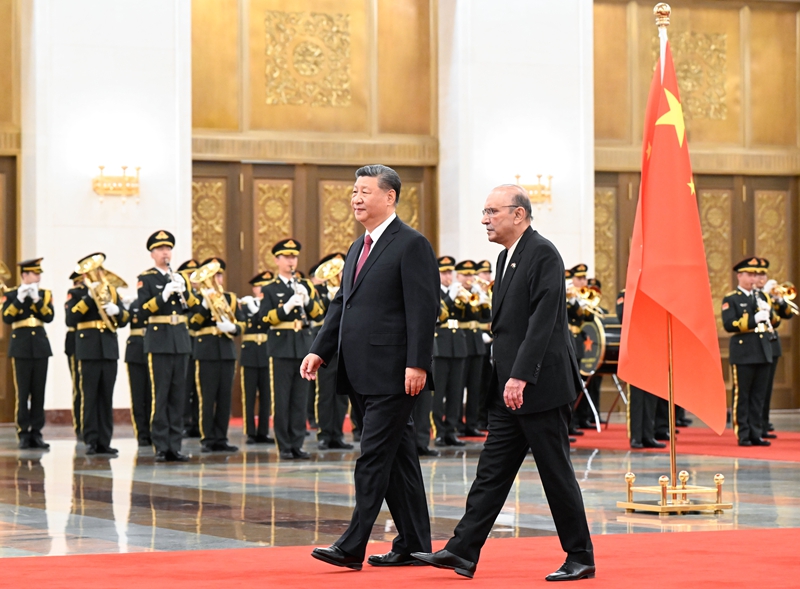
254, 369
69, 350
138, 377
168, 346
191, 406
97, 353
577, 315
750, 358
29, 350
486, 371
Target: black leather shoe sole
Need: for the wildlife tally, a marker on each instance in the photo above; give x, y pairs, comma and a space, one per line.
465, 568
356, 566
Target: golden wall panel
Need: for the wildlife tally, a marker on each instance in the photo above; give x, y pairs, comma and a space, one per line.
404, 54
308, 65
215, 64
772, 239
337, 228
612, 99
773, 77
605, 242
715, 219
208, 218
272, 217
8, 91
408, 209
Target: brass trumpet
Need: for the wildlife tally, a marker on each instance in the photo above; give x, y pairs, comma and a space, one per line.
788, 292
5, 275
98, 282
486, 285
212, 292
331, 272
588, 294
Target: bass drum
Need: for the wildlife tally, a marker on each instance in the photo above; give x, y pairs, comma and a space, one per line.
600, 346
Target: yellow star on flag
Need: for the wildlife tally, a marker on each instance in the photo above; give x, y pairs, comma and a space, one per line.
690, 184
674, 117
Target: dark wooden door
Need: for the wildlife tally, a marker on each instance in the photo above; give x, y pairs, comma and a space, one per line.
8, 254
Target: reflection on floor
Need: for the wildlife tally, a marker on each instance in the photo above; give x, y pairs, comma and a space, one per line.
63, 502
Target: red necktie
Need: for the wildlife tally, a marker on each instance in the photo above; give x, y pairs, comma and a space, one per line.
364, 254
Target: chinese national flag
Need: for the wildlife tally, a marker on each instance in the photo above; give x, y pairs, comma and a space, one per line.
667, 273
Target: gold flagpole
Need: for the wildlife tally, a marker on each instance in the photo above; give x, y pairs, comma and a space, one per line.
673, 459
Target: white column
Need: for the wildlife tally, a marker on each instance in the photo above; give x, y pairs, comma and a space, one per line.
103, 83
516, 97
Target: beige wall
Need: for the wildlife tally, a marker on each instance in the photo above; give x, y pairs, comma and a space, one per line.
9, 77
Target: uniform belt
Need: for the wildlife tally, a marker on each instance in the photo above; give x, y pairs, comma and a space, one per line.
70, 329
255, 337
210, 331
318, 323
297, 325
91, 325
485, 326
452, 324
29, 322
171, 319
139, 331
575, 329
468, 324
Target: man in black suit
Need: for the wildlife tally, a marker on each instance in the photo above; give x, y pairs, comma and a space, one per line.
381, 322
535, 381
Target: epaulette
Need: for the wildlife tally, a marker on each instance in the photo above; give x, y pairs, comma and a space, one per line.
148, 272
733, 292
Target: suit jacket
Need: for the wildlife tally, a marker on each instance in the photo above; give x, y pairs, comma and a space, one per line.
532, 341
383, 321
94, 344
738, 317
28, 342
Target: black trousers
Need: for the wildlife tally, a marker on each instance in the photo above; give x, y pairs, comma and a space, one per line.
97, 389
255, 385
749, 390
584, 411
168, 388
641, 414
77, 425
422, 418
215, 392
191, 404
473, 375
388, 468
330, 408
289, 395
448, 382
141, 400
30, 378
311, 402
510, 438
486, 385
768, 395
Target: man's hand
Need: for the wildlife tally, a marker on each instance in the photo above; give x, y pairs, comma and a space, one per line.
294, 301
111, 309
311, 364
23, 292
512, 395
225, 326
762, 316
415, 380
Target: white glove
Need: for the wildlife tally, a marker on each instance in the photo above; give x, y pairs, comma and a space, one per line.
33, 293
762, 316
770, 284
303, 293
128, 301
226, 326
484, 297
573, 300
111, 309
294, 301
169, 288
246, 300
23, 292
253, 306
583, 302
453, 290
487, 339
178, 279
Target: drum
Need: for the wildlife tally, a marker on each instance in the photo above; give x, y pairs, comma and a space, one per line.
600, 346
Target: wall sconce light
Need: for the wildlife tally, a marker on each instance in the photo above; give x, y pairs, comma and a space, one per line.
123, 186
539, 194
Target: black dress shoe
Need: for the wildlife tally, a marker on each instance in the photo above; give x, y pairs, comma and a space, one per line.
663, 436
39, 443
144, 442
161, 456
572, 571
287, 455
575, 432
760, 442
91, 450
769, 436
177, 457
193, 433
573, 440
323, 445
651, 443
251, 440
745, 443
770, 428
471, 432
393, 559
264, 440
685, 422
335, 556
225, 447
636, 444
300, 455
107, 451
440, 442
340, 445
447, 560
425, 451
206, 448
452, 440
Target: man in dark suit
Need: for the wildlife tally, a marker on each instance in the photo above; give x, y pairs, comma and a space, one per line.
535, 381
381, 322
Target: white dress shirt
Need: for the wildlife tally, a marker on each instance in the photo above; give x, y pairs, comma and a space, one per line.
376, 233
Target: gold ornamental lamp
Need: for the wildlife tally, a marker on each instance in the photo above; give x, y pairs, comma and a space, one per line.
124, 186
539, 194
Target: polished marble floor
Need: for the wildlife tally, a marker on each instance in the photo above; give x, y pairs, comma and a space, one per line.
63, 502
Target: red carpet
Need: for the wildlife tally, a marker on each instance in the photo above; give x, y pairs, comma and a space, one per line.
699, 440
747, 558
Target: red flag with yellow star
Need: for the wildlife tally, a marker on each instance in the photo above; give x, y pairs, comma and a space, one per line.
667, 272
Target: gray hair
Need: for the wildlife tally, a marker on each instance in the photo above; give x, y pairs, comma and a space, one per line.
388, 179
520, 198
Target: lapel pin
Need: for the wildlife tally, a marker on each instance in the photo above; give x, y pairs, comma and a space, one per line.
513, 264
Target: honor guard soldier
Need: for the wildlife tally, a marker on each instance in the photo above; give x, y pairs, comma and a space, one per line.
69, 350
191, 407
164, 302
487, 284
772, 293
750, 353
214, 324
287, 307
138, 377
330, 407
254, 362
96, 312
478, 311
449, 357
577, 314
27, 308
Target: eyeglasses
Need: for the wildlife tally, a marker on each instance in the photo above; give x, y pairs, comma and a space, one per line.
492, 212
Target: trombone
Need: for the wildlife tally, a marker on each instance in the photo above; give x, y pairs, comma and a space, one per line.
99, 283
212, 292
5, 275
588, 294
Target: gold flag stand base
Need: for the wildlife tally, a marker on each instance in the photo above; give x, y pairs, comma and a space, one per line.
675, 500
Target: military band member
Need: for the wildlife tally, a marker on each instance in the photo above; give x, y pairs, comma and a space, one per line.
215, 361
162, 296
191, 409
781, 310
313, 386
583, 413
750, 353
449, 358
254, 364
97, 353
476, 312
69, 350
138, 377
331, 408
27, 308
485, 274
288, 306
577, 314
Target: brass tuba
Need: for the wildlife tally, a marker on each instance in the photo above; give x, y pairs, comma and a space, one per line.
212, 292
5, 274
91, 268
331, 272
